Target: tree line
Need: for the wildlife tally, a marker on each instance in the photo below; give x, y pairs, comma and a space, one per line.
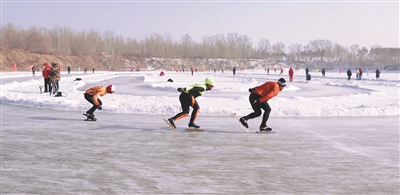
66, 41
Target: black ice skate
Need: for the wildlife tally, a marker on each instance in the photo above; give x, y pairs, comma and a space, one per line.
265, 129
90, 117
244, 122
193, 125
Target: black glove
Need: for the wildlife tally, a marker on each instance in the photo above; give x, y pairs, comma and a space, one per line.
255, 102
251, 90
181, 89
99, 107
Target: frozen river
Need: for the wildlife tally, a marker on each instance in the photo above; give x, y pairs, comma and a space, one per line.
44, 151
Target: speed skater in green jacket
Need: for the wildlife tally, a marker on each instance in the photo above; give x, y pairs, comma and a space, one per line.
188, 99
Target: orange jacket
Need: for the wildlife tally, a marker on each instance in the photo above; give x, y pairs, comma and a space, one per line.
95, 91
267, 91
46, 71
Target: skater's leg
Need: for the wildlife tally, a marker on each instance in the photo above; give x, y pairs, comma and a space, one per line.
196, 109
195, 112
267, 110
185, 100
256, 107
89, 98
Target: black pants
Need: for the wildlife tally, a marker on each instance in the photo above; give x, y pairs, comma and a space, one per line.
257, 109
47, 85
89, 98
187, 101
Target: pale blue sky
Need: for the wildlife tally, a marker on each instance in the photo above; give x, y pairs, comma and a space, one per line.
347, 22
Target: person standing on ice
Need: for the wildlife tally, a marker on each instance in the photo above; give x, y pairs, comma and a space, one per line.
377, 73
91, 96
46, 75
349, 74
33, 69
188, 99
259, 97
55, 77
291, 73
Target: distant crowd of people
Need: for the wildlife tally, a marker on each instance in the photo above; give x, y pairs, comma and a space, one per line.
359, 73
51, 74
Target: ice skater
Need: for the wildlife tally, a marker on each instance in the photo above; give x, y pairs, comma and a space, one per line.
91, 96
259, 97
188, 99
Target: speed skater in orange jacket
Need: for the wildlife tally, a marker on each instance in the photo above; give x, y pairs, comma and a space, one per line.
259, 97
91, 96
188, 99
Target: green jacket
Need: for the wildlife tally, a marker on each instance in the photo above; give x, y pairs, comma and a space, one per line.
196, 89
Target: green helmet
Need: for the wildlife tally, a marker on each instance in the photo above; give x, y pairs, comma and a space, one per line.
210, 82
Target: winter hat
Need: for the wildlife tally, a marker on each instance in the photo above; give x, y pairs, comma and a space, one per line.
210, 82
282, 82
110, 88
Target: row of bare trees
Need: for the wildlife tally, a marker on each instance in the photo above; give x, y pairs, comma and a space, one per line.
66, 41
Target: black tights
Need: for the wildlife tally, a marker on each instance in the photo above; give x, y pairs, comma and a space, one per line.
89, 98
187, 101
257, 109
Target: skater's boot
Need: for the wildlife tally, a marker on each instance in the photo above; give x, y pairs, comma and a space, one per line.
90, 117
193, 125
244, 122
265, 128
171, 121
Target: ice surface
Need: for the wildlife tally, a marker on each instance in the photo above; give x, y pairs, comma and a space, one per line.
47, 148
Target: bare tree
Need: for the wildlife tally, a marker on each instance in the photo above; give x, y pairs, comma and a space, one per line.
278, 50
294, 51
352, 54
153, 44
264, 48
65, 41
65, 37
208, 46
362, 53
245, 47
167, 46
186, 43
339, 52
220, 44
36, 40
109, 42
11, 37
232, 44
132, 46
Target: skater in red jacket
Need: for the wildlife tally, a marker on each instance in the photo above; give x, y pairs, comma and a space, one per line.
291, 73
259, 100
91, 96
